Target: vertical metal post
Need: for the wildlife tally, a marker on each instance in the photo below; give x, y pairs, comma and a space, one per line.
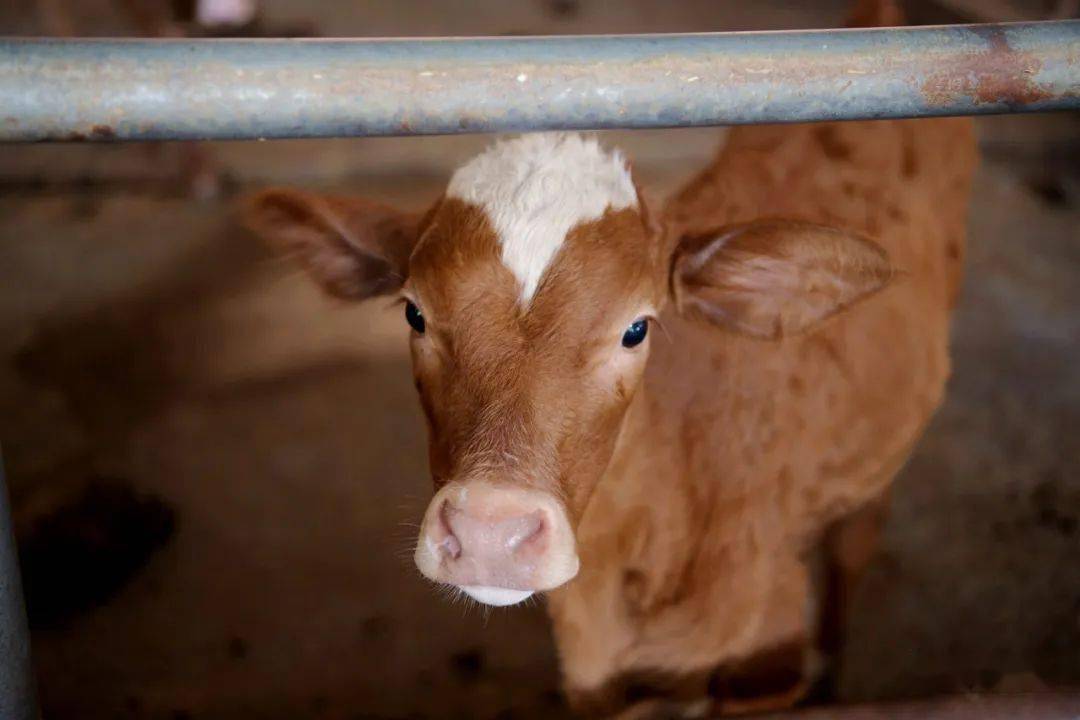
17, 701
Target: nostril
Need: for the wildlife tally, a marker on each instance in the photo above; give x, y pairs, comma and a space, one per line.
451, 547
524, 529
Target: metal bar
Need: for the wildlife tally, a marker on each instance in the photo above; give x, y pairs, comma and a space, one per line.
191, 89
17, 700
1049, 706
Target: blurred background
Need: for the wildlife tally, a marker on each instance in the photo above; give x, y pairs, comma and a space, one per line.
217, 473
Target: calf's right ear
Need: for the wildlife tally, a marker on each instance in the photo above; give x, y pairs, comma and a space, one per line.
354, 249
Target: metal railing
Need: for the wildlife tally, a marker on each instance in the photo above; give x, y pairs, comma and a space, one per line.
16, 673
1042, 706
231, 89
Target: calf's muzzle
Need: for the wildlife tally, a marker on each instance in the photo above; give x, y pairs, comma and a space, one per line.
497, 543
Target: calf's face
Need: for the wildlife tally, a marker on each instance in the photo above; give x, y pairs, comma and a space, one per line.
531, 287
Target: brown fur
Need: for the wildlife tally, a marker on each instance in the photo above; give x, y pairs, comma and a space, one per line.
761, 447
495, 374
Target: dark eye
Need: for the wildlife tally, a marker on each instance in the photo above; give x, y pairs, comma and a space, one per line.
635, 333
413, 317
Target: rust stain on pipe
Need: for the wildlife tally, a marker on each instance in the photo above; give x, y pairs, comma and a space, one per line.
1000, 74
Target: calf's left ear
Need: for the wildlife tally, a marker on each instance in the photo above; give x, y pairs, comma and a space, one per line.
775, 278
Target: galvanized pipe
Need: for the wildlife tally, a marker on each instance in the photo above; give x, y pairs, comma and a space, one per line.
16, 674
190, 89
1052, 705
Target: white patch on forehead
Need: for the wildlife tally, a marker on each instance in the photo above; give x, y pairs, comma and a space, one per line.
536, 188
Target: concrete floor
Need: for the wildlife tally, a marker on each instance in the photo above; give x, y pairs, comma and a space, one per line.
238, 464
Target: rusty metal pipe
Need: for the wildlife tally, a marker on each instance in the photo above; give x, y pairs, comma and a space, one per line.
191, 89
1049, 706
17, 699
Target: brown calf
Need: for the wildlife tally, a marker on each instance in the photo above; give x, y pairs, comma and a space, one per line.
667, 490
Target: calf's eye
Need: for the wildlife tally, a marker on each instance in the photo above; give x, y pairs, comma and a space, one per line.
636, 333
413, 317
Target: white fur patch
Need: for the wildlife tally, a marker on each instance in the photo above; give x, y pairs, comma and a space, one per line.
498, 597
536, 188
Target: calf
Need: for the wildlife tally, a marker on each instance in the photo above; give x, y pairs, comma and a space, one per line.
668, 491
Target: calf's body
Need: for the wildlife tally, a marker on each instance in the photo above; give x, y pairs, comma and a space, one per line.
667, 493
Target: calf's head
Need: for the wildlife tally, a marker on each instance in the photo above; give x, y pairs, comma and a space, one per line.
530, 287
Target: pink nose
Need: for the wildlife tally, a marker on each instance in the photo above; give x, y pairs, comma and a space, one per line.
490, 538
498, 544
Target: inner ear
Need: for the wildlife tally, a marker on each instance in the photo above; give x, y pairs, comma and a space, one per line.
353, 248
774, 278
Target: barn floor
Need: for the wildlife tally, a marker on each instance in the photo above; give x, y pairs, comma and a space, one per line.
217, 473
